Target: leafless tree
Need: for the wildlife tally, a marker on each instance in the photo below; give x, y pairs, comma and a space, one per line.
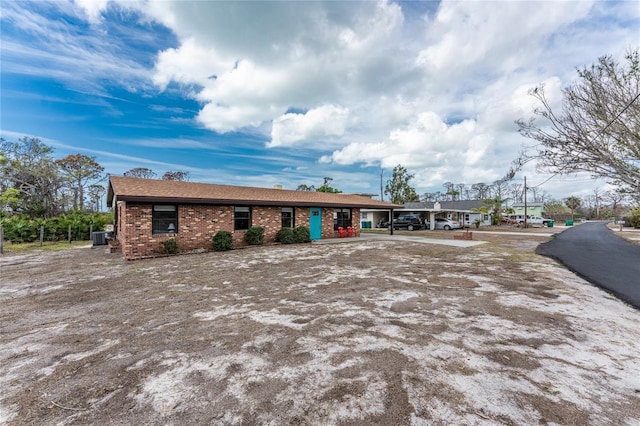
597, 201
515, 192
598, 129
616, 198
500, 188
481, 190
462, 188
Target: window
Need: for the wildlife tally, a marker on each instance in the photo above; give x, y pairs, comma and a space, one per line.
287, 217
241, 218
165, 219
341, 218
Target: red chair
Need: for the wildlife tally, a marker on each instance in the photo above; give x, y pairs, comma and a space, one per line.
351, 231
342, 231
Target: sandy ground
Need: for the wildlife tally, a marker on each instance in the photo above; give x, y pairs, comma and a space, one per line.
367, 332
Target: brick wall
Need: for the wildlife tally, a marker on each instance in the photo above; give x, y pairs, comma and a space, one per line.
355, 220
197, 224
327, 223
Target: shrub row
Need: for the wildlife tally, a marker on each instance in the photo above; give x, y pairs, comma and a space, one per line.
18, 229
223, 240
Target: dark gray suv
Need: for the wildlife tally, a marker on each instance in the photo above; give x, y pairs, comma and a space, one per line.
410, 222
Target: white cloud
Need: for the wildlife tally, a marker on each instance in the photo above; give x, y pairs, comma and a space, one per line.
325, 121
493, 36
188, 64
429, 146
288, 55
92, 8
379, 85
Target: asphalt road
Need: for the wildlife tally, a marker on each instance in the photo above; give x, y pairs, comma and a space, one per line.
595, 253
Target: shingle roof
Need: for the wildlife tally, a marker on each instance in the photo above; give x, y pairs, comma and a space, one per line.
169, 191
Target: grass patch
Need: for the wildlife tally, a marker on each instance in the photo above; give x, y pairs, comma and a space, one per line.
46, 246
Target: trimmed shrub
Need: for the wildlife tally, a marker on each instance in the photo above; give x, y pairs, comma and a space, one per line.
254, 236
301, 234
170, 246
222, 241
285, 236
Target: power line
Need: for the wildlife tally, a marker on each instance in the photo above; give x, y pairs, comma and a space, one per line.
619, 114
540, 184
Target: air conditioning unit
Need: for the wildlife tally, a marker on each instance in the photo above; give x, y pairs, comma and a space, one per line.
99, 238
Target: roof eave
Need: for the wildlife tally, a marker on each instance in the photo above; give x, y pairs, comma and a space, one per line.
236, 202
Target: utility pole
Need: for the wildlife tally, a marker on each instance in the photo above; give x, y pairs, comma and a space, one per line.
381, 191
525, 202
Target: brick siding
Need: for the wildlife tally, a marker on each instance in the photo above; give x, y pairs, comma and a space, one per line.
197, 224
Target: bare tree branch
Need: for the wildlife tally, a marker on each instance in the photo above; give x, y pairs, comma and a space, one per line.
598, 130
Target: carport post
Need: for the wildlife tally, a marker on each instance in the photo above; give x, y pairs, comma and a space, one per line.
391, 223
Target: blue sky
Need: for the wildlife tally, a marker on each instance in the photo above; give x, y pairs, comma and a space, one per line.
266, 93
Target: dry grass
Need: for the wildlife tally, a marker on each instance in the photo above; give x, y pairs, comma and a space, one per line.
365, 332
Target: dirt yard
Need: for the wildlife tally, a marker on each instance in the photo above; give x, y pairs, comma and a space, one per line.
364, 332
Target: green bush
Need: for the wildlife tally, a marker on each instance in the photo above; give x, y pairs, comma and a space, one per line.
25, 230
170, 246
634, 219
254, 236
285, 236
222, 241
19, 229
301, 234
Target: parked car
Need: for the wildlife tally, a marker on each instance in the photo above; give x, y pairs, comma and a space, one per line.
446, 224
409, 221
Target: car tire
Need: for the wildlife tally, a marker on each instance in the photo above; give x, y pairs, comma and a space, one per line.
447, 228
410, 228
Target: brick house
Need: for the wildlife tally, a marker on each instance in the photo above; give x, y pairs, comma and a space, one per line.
148, 212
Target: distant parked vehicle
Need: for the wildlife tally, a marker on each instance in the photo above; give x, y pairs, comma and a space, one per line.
446, 224
534, 220
410, 221
531, 220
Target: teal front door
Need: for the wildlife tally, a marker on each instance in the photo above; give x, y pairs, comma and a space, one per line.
315, 223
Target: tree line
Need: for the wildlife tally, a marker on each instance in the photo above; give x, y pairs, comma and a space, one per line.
35, 184
400, 191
